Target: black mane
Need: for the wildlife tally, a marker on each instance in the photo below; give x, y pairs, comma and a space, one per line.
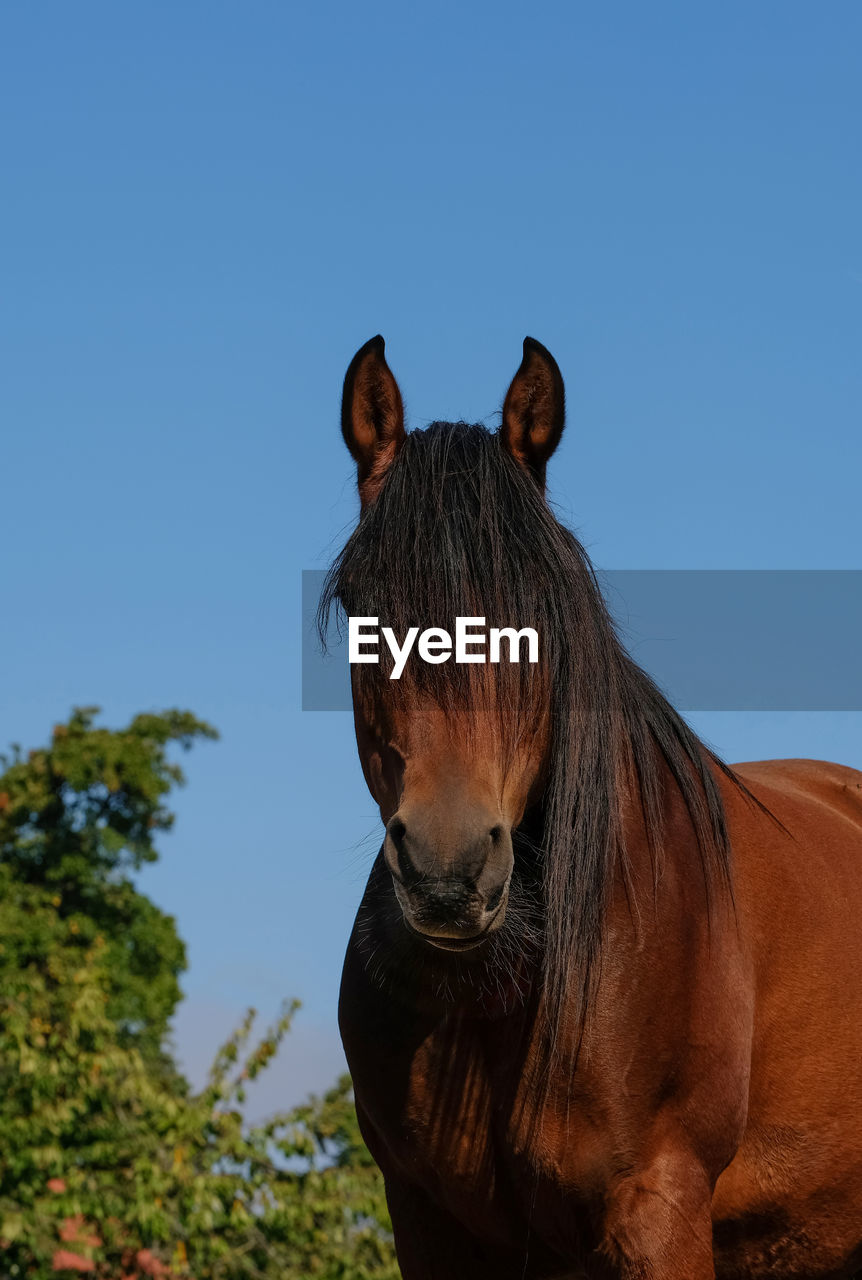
459, 528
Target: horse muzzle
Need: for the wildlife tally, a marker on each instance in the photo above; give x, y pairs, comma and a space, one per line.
451, 901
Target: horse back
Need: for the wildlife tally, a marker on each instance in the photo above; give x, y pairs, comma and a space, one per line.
810, 790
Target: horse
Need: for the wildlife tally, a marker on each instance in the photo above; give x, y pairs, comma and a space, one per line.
602, 1000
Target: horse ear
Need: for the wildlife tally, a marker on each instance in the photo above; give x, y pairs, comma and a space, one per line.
372, 416
534, 410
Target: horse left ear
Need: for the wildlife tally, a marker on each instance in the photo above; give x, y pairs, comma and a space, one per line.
372, 416
534, 411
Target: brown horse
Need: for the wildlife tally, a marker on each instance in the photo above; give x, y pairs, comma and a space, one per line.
603, 999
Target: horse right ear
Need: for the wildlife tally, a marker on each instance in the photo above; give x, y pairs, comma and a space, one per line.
372, 417
534, 411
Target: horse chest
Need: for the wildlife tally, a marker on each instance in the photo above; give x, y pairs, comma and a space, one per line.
482, 1149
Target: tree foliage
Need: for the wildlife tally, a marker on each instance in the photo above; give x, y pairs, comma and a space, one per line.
110, 1165
77, 818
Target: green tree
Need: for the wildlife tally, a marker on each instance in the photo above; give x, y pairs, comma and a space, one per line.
106, 1167
77, 818
110, 1165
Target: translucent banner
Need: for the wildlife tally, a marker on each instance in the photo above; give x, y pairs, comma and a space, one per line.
712, 639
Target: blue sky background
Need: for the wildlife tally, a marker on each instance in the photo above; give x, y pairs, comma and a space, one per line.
207, 207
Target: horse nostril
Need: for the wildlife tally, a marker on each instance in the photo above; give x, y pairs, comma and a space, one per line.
496, 834
397, 833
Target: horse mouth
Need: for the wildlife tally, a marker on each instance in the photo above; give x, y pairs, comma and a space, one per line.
457, 944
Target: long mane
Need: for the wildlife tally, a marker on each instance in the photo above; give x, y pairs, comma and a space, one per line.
460, 529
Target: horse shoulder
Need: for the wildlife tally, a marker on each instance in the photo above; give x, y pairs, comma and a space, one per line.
798, 883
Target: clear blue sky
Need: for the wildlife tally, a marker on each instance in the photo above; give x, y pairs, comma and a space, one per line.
207, 207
